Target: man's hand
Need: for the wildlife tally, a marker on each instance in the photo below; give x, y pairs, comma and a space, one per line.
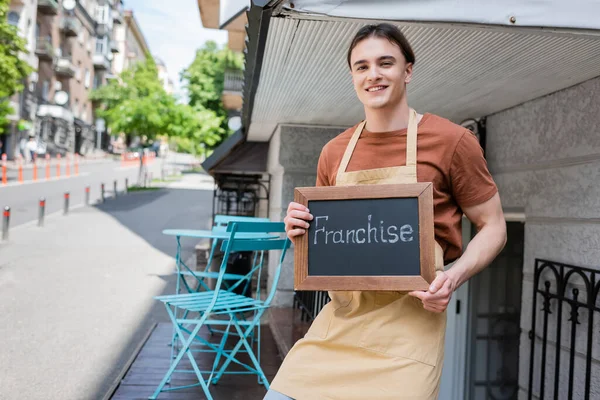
296, 220
438, 296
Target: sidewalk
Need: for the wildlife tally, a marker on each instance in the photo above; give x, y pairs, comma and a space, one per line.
76, 295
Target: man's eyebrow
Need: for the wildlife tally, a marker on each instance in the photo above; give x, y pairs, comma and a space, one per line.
391, 58
382, 58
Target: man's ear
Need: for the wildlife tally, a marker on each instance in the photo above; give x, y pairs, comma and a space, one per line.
408, 72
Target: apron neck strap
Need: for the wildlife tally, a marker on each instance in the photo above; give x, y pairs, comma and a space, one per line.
411, 143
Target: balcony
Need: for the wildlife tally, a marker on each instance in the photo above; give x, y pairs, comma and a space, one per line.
114, 46
44, 49
102, 29
48, 7
234, 81
117, 13
101, 62
65, 68
70, 26
232, 90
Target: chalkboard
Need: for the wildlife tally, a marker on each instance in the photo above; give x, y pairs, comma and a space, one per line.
376, 237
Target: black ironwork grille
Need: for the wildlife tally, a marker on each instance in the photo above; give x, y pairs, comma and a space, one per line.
310, 303
563, 336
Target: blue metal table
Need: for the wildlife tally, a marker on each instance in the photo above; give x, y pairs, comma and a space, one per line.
214, 235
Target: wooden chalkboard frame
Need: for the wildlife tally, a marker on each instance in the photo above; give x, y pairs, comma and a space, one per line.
422, 191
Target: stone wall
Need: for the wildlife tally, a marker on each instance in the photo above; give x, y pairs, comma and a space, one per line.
545, 158
293, 156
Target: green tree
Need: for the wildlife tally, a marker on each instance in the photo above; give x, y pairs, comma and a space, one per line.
193, 129
136, 103
204, 80
13, 70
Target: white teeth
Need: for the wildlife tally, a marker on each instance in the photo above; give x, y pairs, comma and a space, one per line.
374, 89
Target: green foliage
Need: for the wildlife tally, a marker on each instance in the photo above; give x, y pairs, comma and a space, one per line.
136, 103
204, 81
12, 68
194, 129
5, 111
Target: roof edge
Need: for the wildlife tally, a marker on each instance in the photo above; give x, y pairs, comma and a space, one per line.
223, 150
259, 18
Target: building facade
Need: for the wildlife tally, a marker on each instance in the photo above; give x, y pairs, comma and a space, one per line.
74, 52
526, 327
163, 76
22, 14
130, 43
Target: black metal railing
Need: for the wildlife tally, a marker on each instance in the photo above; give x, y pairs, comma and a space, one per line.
234, 81
310, 303
568, 295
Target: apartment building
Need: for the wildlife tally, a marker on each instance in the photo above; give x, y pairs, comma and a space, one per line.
129, 42
163, 76
22, 14
73, 45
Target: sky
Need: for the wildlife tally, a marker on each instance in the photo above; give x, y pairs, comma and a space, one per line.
173, 31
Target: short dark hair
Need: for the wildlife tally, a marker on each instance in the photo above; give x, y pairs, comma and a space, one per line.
385, 31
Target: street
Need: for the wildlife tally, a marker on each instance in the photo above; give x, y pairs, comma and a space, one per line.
23, 199
76, 296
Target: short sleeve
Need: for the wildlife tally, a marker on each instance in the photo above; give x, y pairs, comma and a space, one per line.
322, 170
471, 181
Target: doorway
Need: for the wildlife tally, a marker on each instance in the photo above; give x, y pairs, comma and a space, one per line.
494, 323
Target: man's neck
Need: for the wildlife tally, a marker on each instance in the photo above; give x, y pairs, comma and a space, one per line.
387, 119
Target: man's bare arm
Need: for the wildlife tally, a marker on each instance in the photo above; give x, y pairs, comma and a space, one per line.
487, 243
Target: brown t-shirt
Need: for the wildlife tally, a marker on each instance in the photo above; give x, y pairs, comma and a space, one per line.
448, 155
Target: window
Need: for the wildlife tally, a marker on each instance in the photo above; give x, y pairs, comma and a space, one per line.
103, 14
87, 78
78, 73
81, 37
84, 112
45, 89
76, 108
97, 81
102, 45
13, 18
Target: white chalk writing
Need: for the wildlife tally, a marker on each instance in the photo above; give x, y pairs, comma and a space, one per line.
369, 234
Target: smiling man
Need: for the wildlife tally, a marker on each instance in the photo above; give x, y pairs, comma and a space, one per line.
390, 345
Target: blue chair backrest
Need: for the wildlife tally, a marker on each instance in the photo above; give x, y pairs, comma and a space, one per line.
221, 221
282, 244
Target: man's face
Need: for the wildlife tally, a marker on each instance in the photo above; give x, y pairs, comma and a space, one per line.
379, 72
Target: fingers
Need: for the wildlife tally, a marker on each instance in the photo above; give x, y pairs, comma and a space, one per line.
442, 293
296, 220
296, 206
437, 298
438, 309
295, 232
438, 282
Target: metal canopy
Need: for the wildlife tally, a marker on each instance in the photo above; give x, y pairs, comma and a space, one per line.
578, 14
462, 70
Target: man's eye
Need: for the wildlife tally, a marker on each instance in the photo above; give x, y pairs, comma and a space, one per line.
386, 64
361, 68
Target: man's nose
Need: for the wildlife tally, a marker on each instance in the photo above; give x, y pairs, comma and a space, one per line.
374, 74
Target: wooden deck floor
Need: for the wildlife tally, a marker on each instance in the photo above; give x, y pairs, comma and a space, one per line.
152, 362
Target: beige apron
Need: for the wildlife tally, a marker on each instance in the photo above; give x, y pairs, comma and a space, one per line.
369, 345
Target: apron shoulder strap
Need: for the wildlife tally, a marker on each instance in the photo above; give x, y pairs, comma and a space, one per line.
350, 149
411, 140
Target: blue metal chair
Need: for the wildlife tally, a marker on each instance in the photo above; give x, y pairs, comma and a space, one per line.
219, 225
224, 308
231, 280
